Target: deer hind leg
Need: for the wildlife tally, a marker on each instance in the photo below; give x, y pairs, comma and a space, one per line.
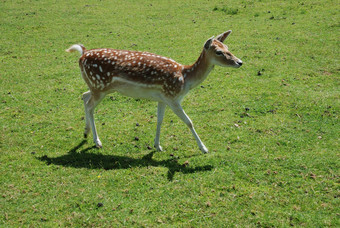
90, 103
86, 98
178, 110
160, 114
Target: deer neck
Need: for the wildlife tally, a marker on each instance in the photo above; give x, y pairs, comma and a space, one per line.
196, 73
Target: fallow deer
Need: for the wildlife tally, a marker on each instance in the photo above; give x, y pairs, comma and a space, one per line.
150, 76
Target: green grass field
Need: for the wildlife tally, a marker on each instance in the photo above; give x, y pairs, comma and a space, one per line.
272, 126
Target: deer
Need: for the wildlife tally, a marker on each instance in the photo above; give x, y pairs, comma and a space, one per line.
145, 75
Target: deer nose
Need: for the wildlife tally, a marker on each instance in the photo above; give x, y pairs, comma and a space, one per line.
239, 62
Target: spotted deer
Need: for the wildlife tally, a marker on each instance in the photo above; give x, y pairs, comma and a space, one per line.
150, 76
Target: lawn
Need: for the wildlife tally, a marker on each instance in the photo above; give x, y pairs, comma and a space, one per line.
271, 126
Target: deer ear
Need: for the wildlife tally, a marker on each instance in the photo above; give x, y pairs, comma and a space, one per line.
223, 36
208, 43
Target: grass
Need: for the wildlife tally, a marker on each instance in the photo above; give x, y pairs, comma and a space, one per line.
272, 126
226, 10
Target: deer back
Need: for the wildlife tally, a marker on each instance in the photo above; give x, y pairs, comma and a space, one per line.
103, 67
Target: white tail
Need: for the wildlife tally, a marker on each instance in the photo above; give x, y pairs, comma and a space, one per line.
149, 76
77, 47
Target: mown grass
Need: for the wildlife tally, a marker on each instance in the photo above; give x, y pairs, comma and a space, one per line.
271, 126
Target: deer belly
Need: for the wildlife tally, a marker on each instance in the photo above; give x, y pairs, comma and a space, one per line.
137, 89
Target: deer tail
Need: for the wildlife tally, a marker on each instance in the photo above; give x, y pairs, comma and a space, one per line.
77, 47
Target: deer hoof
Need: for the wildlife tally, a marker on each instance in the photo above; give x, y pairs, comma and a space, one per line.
204, 150
86, 132
158, 148
99, 144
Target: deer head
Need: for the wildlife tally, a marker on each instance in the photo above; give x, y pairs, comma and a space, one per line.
218, 54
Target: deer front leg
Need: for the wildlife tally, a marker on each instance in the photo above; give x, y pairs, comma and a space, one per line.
160, 115
90, 103
178, 110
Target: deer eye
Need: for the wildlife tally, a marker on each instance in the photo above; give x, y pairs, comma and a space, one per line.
219, 53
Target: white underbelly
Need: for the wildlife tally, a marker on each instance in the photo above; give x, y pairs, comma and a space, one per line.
136, 89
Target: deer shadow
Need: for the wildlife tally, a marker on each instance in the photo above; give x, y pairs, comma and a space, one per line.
84, 158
